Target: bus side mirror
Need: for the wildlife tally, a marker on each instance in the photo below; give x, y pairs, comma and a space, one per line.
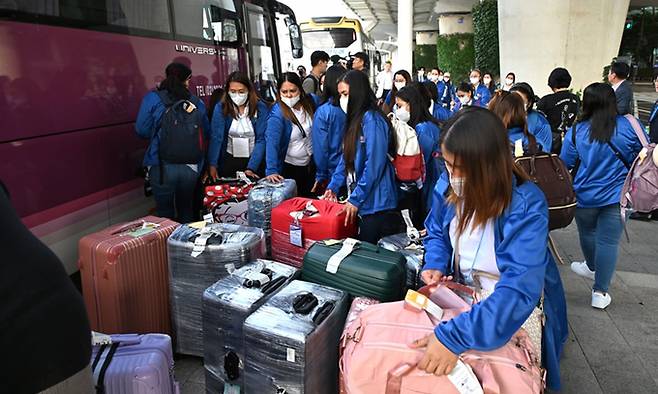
296, 40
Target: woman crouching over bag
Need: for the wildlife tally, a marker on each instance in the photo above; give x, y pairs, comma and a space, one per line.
488, 228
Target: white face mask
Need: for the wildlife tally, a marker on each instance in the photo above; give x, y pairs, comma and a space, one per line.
486, 80
290, 101
238, 98
403, 115
441, 78
475, 81
509, 81
344, 100
400, 85
464, 100
457, 184
434, 78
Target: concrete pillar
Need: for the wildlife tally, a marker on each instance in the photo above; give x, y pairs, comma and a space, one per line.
405, 54
581, 35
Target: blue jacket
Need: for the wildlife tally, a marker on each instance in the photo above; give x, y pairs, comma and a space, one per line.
376, 189
428, 137
516, 133
653, 124
440, 113
541, 129
328, 130
601, 174
222, 124
448, 95
277, 138
481, 96
526, 267
148, 122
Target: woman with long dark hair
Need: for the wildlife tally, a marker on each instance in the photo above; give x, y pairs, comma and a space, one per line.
239, 121
537, 123
511, 110
364, 166
431, 95
289, 148
600, 148
508, 82
401, 79
173, 183
328, 129
488, 228
412, 109
488, 82
464, 94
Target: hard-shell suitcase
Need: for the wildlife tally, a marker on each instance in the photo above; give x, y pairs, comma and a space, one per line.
227, 200
413, 252
262, 198
292, 341
124, 276
299, 222
226, 305
360, 268
134, 364
198, 257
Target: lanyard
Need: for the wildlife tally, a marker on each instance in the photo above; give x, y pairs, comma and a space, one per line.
455, 256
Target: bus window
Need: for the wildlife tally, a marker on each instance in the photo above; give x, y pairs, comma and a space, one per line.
334, 38
206, 21
260, 45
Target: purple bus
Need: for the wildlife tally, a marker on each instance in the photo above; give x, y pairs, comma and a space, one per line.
72, 76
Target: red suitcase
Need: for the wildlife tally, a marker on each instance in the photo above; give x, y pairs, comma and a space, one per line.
124, 274
317, 219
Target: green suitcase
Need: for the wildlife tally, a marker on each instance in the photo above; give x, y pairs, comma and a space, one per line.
367, 271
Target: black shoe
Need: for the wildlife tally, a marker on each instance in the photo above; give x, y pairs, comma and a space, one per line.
645, 217
654, 215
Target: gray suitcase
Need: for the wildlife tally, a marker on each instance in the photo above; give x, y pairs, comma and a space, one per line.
262, 198
226, 305
227, 247
413, 252
292, 341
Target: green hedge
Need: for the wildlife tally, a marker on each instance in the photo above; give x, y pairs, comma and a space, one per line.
485, 29
425, 56
455, 53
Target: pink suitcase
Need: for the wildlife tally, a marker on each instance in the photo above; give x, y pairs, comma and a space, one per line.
134, 364
124, 274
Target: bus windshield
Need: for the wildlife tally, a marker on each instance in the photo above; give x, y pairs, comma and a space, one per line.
330, 38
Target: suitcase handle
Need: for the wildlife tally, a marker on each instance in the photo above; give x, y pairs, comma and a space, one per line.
322, 313
132, 227
304, 303
273, 285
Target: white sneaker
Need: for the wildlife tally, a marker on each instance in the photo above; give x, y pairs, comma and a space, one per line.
600, 300
581, 268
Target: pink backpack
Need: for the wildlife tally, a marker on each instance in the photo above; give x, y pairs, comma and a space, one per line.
376, 358
640, 191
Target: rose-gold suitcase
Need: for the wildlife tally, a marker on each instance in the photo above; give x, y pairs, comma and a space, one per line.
125, 279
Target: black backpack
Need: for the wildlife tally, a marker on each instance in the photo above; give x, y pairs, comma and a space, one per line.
316, 82
182, 139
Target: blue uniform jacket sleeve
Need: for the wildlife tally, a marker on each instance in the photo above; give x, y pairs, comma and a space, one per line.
259, 131
338, 178
217, 135
438, 250
486, 96
541, 129
569, 153
521, 259
145, 124
376, 158
275, 125
320, 138
427, 138
389, 98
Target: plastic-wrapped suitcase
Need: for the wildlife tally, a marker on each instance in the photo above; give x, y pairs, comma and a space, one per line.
124, 276
227, 200
198, 257
299, 222
292, 341
360, 268
226, 305
413, 252
359, 304
262, 198
134, 364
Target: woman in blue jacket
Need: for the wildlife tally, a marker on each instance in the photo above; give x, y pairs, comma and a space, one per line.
364, 166
537, 123
487, 217
412, 109
600, 135
401, 79
510, 109
464, 94
238, 123
438, 111
481, 93
289, 146
328, 129
173, 184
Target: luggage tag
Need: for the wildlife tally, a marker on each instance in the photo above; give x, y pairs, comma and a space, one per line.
296, 234
337, 258
146, 228
208, 218
518, 148
244, 178
464, 379
189, 107
412, 233
240, 147
197, 225
200, 241
415, 300
98, 339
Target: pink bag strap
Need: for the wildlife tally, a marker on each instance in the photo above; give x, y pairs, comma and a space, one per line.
394, 378
641, 135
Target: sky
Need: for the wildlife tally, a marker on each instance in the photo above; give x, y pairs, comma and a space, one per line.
306, 9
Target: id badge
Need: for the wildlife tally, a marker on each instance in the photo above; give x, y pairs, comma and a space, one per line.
296, 235
240, 147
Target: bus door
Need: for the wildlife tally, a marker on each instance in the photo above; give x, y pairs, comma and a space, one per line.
261, 50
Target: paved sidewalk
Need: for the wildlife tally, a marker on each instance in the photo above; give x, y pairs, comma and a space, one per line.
611, 351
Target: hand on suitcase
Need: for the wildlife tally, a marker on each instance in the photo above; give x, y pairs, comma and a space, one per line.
438, 359
330, 196
251, 174
350, 213
210, 175
432, 277
275, 178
